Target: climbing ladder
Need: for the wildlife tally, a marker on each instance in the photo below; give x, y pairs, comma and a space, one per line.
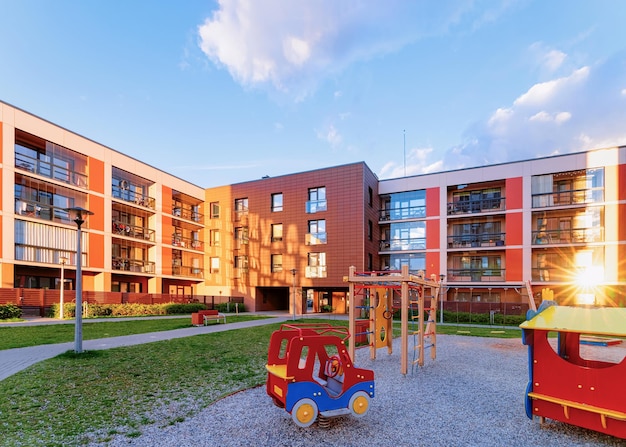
424, 330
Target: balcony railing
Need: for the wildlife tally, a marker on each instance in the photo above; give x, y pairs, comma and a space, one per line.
315, 272
315, 238
128, 195
476, 206
51, 170
476, 240
476, 275
570, 236
315, 206
403, 244
402, 213
187, 213
125, 229
132, 265
186, 242
570, 197
186, 270
41, 211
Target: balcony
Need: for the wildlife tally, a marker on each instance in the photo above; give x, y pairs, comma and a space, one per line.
315, 272
315, 206
476, 275
406, 244
476, 206
568, 198
186, 270
476, 240
124, 229
315, 238
402, 213
132, 265
126, 194
55, 169
41, 211
187, 212
569, 236
185, 242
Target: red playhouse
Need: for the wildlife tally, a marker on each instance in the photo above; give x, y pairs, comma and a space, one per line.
564, 384
311, 375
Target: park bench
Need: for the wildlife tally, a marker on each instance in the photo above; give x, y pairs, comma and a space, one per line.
202, 317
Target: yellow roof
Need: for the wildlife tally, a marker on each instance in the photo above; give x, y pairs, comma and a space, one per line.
601, 321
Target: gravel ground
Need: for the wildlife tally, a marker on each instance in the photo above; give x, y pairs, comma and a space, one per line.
471, 395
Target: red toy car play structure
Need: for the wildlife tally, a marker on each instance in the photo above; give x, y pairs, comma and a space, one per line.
310, 374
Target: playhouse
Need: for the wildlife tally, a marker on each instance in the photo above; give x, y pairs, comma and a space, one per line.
563, 384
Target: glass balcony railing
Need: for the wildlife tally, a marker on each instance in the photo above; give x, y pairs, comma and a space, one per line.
187, 213
476, 206
54, 169
186, 270
569, 236
570, 197
401, 213
125, 229
132, 265
316, 272
403, 244
315, 206
476, 240
186, 242
315, 238
128, 195
475, 275
41, 211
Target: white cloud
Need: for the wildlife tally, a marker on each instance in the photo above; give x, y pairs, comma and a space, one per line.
418, 161
330, 135
545, 92
291, 46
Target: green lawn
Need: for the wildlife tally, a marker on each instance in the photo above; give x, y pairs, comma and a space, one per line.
76, 399
23, 336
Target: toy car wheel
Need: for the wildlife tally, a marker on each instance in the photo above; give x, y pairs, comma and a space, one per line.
359, 404
304, 412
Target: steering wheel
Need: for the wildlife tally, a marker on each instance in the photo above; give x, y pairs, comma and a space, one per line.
333, 366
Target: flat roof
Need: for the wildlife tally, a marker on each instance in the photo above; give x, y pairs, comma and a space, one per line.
585, 320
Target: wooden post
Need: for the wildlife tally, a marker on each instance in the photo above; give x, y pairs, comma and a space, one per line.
352, 315
404, 316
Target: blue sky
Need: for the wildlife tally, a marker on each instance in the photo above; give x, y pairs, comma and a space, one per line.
220, 92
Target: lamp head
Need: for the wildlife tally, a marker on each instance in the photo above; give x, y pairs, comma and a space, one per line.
78, 214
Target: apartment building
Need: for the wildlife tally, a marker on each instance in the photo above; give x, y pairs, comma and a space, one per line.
554, 225
145, 234
291, 239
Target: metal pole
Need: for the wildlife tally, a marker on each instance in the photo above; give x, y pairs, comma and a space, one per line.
293, 273
78, 329
441, 278
62, 287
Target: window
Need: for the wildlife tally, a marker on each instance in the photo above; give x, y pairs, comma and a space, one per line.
277, 232
277, 263
370, 196
241, 265
316, 265
215, 265
277, 202
317, 232
215, 210
370, 262
370, 230
317, 200
241, 236
215, 238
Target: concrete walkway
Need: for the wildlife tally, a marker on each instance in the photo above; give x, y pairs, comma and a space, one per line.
15, 360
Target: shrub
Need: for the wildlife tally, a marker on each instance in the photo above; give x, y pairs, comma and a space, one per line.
96, 310
9, 311
230, 307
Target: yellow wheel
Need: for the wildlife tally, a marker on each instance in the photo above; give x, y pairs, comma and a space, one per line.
359, 404
304, 412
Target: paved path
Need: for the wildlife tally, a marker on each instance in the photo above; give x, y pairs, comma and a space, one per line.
15, 360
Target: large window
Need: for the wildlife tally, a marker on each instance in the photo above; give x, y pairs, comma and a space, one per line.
317, 232
415, 261
241, 208
215, 265
568, 188
277, 232
316, 265
317, 200
404, 205
277, 202
277, 263
215, 210
215, 238
241, 236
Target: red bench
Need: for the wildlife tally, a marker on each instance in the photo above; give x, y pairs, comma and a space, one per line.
202, 317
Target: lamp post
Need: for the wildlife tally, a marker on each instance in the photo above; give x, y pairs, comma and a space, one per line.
293, 273
441, 278
79, 215
62, 260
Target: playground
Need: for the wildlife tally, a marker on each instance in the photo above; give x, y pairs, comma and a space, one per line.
471, 395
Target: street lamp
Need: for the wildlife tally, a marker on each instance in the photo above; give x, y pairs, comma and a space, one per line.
293, 273
441, 278
62, 260
79, 215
